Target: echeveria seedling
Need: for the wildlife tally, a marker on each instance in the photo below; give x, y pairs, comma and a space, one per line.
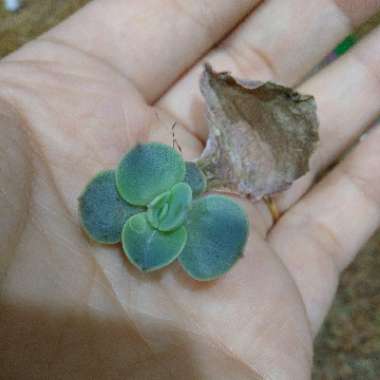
154, 204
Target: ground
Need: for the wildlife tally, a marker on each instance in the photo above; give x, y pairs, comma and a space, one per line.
348, 346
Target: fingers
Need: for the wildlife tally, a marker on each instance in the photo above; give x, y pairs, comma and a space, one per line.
347, 94
281, 41
152, 42
351, 9
328, 227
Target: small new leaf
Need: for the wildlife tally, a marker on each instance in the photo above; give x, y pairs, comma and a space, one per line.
168, 211
178, 206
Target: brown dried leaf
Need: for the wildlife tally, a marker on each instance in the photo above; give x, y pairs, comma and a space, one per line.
261, 135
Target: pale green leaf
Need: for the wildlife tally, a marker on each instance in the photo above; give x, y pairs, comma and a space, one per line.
195, 178
147, 171
148, 248
178, 205
217, 229
103, 212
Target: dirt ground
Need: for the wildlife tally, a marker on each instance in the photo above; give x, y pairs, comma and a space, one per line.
348, 347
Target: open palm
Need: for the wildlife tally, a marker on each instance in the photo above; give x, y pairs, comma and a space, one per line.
118, 72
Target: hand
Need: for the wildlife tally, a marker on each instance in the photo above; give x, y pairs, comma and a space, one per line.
77, 98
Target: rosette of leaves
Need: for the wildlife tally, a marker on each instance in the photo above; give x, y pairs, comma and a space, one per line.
153, 203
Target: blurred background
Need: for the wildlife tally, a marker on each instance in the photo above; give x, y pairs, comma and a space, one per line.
348, 346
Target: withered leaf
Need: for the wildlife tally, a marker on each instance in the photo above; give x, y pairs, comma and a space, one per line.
261, 135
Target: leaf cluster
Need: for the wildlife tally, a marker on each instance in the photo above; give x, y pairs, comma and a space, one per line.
154, 204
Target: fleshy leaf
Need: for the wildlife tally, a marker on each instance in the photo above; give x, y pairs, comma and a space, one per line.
261, 135
102, 211
150, 249
168, 211
158, 209
147, 171
179, 204
195, 178
217, 230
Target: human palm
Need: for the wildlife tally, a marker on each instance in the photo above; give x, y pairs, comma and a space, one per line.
78, 98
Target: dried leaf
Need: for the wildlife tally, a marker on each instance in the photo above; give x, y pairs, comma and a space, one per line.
261, 135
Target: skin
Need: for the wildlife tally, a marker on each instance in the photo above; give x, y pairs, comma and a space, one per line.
118, 72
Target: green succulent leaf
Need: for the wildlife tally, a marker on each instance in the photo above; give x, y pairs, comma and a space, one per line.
217, 229
158, 209
103, 212
178, 205
147, 171
148, 248
195, 178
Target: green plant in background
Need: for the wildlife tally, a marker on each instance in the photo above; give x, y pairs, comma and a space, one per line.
153, 204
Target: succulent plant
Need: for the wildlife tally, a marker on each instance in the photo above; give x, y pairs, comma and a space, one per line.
154, 204
261, 138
